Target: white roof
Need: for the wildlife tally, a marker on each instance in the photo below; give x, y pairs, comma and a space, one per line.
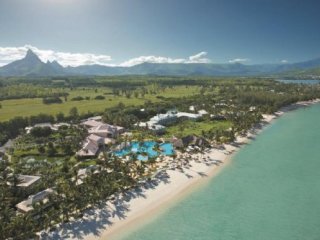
89, 149
202, 112
84, 171
96, 118
188, 115
167, 115
153, 123
119, 128
26, 205
43, 125
95, 138
103, 128
157, 127
108, 141
91, 123
57, 125
27, 180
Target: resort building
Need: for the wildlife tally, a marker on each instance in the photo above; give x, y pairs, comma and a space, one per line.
96, 139
190, 140
191, 116
100, 134
163, 119
157, 123
26, 181
102, 129
202, 112
27, 205
53, 127
91, 123
89, 149
96, 118
106, 130
192, 108
151, 126
84, 172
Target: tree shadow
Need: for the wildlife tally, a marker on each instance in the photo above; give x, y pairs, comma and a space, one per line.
93, 222
202, 174
99, 218
96, 220
188, 175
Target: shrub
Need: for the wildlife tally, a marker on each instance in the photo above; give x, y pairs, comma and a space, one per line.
40, 131
99, 97
51, 100
78, 98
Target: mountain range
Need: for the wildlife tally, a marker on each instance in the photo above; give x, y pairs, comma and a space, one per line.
32, 66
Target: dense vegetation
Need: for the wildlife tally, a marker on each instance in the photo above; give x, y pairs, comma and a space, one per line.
122, 105
68, 202
23, 90
233, 106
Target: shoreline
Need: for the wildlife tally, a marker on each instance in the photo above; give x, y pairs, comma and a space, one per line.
133, 209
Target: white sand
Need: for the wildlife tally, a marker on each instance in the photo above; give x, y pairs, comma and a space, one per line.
139, 206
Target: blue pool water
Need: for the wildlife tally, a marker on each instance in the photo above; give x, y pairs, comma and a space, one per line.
146, 149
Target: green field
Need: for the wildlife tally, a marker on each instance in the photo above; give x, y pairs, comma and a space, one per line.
191, 127
29, 107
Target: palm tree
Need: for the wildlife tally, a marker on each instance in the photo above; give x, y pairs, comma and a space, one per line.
22, 227
6, 215
152, 162
174, 156
157, 148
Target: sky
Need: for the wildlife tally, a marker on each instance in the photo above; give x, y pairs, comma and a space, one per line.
129, 32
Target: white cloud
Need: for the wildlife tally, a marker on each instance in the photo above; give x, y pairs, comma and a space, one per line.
284, 61
9, 54
150, 59
197, 58
239, 60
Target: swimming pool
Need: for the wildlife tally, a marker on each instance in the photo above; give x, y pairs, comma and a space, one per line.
146, 149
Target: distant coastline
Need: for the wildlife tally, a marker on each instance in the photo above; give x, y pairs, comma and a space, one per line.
141, 206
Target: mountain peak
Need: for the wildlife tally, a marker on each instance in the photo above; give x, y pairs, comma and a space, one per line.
31, 65
55, 64
31, 55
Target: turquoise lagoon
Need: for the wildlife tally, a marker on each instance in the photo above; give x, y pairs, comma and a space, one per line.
297, 81
271, 190
146, 150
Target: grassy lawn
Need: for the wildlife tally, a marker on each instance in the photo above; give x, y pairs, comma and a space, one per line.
29, 107
191, 127
87, 163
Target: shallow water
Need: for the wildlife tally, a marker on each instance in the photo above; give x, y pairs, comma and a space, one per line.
297, 81
271, 190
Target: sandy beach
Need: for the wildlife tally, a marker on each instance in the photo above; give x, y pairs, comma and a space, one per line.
140, 205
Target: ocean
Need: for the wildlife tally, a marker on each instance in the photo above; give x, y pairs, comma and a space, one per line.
270, 191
